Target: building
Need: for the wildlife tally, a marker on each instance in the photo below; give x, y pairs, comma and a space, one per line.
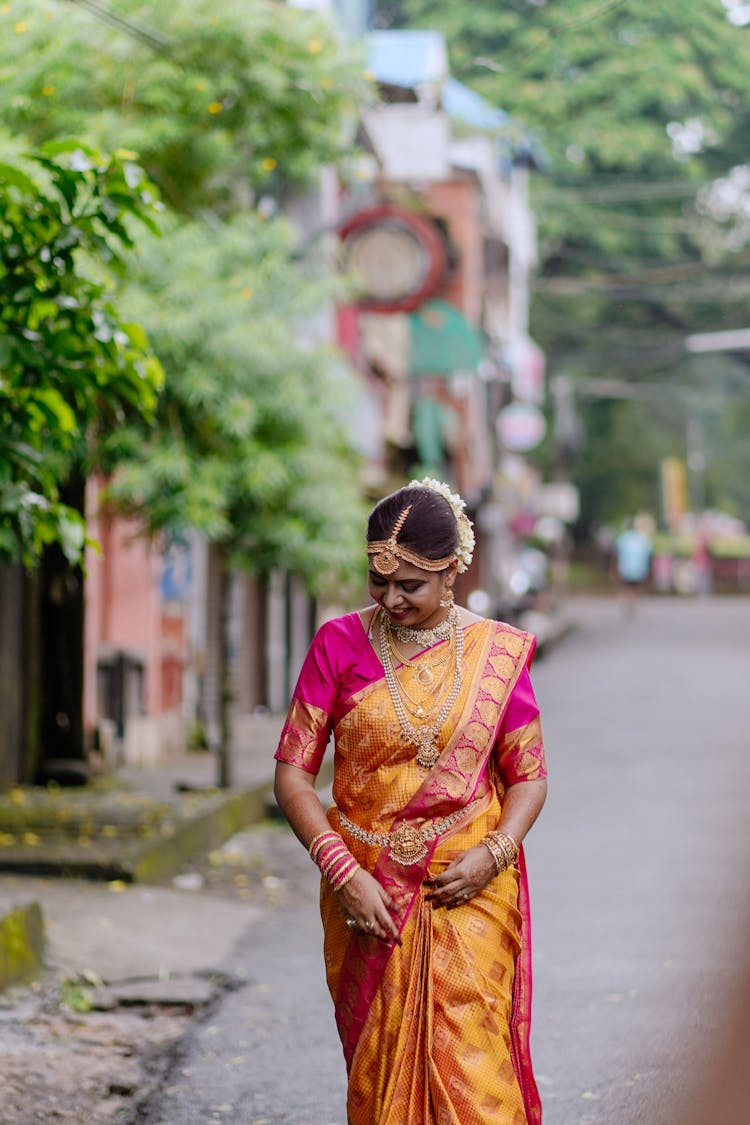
444, 250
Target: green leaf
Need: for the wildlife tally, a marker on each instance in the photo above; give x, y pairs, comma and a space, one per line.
14, 176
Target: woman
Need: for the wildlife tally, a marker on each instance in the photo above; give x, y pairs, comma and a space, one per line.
438, 776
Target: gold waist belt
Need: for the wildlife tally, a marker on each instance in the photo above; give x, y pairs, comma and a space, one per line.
406, 844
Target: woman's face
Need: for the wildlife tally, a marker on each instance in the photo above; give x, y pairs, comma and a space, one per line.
410, 596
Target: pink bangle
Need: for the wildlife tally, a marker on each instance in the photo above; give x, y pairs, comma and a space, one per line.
319, 842
339, 866
332, 856
328, 850
349, 875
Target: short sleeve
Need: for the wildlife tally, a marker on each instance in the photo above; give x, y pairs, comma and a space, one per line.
309, 720
519, 750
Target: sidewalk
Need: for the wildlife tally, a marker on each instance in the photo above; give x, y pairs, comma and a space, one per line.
140, 826
110, 971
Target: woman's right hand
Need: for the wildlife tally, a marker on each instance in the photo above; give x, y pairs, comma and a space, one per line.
365, 902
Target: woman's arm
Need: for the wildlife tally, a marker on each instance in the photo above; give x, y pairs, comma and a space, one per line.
363, 898
294, 790
522, 804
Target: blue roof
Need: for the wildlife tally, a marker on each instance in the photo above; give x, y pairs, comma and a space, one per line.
463, 104
407, 58
413, 58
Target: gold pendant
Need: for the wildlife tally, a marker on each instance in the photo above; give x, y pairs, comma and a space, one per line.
427, 754
425, 675
407, 845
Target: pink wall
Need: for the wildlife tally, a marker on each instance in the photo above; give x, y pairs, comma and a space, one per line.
458, 202
123, 604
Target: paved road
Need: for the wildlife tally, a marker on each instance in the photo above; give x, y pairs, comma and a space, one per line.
638, 868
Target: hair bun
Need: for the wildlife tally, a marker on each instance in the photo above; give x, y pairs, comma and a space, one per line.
465, 549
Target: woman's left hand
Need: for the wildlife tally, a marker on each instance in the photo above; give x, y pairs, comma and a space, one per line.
463, 878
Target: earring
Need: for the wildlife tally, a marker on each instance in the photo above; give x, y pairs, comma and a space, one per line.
447, 599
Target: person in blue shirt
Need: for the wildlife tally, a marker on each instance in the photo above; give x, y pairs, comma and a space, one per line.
632, 563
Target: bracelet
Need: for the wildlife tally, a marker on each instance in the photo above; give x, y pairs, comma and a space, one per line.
503, 849
317, 842
336, 862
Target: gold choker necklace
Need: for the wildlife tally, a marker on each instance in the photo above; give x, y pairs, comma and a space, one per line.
439, 632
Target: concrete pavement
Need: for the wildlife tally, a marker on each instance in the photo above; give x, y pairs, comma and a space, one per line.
639, 863
145, 824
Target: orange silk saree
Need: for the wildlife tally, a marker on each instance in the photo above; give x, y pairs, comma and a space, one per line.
435, 1031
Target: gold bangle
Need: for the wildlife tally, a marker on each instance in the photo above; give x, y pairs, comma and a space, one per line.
507, 844
490, 846
503, 848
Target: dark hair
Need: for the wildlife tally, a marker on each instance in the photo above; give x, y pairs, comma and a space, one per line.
430, 529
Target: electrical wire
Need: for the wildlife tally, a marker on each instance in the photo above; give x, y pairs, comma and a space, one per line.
577, 21
150, 38
726, 289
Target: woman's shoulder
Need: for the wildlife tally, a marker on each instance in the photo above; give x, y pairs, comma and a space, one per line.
345, 625
500, 628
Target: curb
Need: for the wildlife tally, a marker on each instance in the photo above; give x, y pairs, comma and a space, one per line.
196, 824
207, 829
21, 942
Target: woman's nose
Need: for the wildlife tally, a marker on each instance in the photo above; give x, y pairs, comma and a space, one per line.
392, 597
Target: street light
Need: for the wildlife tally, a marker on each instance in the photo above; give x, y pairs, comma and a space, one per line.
735, 340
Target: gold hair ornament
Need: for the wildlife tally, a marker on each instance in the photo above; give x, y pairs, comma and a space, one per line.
387, 552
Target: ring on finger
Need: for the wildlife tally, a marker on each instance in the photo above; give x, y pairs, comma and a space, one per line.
351, 923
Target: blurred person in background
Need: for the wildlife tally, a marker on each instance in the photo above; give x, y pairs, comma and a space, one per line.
439, 773
631, 556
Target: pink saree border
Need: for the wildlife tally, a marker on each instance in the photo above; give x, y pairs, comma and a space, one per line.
520, 1019
365, 959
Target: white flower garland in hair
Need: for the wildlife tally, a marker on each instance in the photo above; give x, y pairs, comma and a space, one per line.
465, 549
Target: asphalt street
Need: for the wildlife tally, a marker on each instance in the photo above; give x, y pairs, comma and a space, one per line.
638, 870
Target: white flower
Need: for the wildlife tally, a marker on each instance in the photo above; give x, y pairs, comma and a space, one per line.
465, 549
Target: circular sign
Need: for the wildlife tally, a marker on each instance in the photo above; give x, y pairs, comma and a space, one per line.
520, 427
397, 256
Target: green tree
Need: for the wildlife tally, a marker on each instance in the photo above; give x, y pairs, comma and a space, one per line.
249, 446
230, 111
70, 365
636, 109
71, 368
217, 103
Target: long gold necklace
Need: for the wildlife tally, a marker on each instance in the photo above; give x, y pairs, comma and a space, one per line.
425, 667
429, 700
424, 736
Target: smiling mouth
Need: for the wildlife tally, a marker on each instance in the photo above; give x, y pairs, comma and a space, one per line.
403, 613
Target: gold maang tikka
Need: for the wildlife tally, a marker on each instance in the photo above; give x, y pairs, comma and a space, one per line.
387, 552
